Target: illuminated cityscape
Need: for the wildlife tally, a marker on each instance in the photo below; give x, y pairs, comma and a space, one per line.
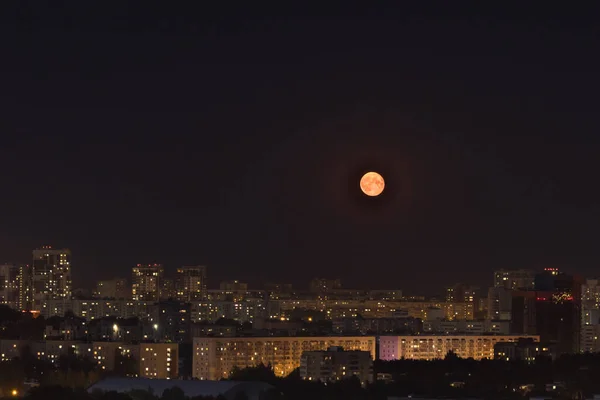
239, 327
238, 201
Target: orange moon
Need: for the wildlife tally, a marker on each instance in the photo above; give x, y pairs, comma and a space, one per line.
372, 184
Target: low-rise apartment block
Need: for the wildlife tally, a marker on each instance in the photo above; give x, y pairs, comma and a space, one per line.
425, 347
151, 360
214, 358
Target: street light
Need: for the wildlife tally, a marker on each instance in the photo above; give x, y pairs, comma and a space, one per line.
116, 328
14, 392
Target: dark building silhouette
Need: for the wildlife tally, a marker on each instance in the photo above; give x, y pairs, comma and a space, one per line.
174, 321
552, 310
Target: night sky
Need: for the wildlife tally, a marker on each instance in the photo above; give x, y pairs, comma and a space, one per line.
236, 139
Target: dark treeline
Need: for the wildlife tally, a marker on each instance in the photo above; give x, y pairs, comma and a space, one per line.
569, 377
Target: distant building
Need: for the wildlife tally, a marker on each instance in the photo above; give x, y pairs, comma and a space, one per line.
233, 286
499, 303
335, 364
206, 329
377, 326
26, 287
465, 294
424, 347
278, 290
324, 286
520, 279
524, 349
152, 360
472, 327
51, 275
146, 282
159, 360
590, 339
167, 289
9, 285
215, 358
386, 295
552, 310
174, 321
191, 283
112, 289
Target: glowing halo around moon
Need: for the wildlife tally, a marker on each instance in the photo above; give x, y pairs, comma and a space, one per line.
372, 184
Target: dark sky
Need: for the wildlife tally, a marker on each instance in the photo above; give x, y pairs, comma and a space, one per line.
235, 138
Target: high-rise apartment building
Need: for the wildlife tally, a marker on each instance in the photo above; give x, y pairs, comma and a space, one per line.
590, 316
9, 285
590, 339
590, 302
174, 321
146, 282
26, 287
466, 294
590, 293
499, 303
523, 279
51, 275
112, 289
167, 289
190, 283
552, 310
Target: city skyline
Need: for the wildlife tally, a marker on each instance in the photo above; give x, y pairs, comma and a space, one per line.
171, 272
291, 201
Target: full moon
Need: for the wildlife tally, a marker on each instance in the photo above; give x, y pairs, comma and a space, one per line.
372, 184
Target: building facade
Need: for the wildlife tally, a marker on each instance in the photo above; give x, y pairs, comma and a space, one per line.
9, 285
215, 358
51, 275
499, 304
520, 279
336, 364
525, 350
112, 289
552, 310
146, 282
465, 294
422, 347
191, 283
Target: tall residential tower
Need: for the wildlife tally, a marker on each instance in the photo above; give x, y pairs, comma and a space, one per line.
146, 282
51, 275
190, 283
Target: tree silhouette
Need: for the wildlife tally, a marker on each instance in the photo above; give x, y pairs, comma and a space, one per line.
111, 396
8, 315
137, 394
240, 396
173, 393
260, 373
